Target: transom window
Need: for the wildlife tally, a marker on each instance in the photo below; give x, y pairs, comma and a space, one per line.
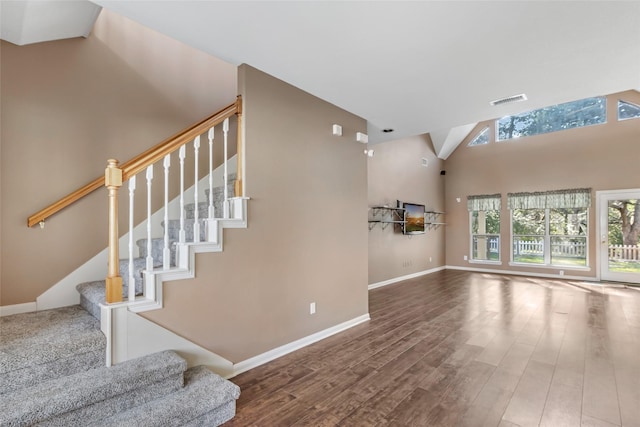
482, 138
585, 112
627, 110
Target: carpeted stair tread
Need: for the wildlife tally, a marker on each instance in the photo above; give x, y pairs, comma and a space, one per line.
203, 210
48, 344
92, 294
95, 394
139, 264
203, 401
218, 417
174, 229
157, 250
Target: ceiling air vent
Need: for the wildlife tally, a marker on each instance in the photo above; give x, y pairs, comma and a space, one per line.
509, 99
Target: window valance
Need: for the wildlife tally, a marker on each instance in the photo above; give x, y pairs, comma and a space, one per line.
558, 199
484, 202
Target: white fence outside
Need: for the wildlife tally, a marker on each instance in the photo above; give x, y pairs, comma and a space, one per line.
624, 252
559, 249
565, 249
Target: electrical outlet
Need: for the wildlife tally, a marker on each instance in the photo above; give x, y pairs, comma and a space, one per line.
466, 258
562, 272
430, 259
312, 308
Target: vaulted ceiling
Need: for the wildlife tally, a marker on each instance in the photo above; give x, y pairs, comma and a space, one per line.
414, 66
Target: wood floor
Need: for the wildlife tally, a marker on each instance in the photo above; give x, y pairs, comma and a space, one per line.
464, 349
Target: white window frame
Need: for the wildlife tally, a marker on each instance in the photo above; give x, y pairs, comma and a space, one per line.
547, 246
472, 260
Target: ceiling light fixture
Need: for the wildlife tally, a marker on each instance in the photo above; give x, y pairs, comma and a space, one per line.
509, 99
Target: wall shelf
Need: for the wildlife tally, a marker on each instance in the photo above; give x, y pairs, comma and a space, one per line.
431, 220
385, 215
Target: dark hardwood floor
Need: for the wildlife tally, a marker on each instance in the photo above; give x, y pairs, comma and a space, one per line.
464, 349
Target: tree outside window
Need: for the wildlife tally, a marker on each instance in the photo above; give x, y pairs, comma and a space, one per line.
485, 235
584, 112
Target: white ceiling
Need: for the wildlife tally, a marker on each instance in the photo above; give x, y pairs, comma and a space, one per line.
25, 22
417, 66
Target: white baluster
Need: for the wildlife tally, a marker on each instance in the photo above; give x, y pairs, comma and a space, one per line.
132, 282
149, 246
225, 129
196, 211
211, 136
182, 154
166, 252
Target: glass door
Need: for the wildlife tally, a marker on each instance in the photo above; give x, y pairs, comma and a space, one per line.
619, 213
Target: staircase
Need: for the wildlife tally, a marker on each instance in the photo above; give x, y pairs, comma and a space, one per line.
92, 294
52, 373
52, 362
91, 364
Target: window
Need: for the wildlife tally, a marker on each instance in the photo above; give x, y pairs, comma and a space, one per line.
627, 110
568, 234
481, 139
585, 112
550, 228
529, 231
484, 218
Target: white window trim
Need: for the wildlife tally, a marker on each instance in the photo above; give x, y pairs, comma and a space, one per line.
471, 234
547, 246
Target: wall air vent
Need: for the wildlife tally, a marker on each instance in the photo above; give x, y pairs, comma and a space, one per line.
509, 99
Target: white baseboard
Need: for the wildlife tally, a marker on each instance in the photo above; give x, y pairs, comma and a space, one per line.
8, 310
270, 355
408, 276
521, 273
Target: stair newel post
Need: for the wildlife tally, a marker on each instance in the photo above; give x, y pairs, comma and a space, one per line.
225, 130
239, 185
181, 155
196, 210
132, 283
113, 182
211, 136
166, 252
149, 213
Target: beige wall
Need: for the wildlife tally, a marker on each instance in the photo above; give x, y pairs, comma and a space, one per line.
602, 157
395, 173
306, 239
67, 106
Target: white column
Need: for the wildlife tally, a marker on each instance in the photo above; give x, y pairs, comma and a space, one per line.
181, 154
166, 252
225, 204
149, 213
132, 283
211, 135
196, 210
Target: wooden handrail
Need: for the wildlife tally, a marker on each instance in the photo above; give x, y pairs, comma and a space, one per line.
140, 162
54, 208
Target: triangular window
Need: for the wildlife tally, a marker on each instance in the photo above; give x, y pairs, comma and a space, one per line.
628, 110
482, 138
